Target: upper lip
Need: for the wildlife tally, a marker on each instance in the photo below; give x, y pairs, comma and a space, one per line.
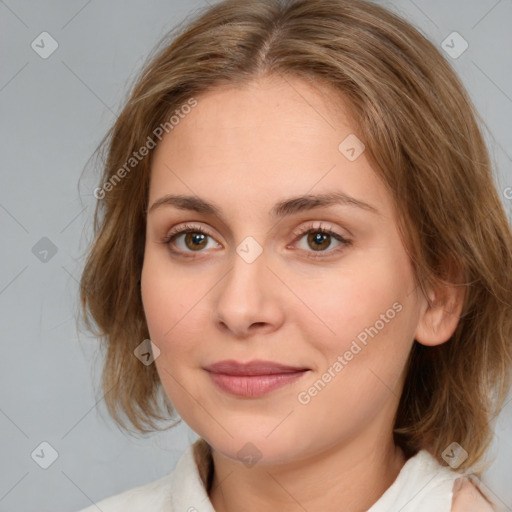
257, 367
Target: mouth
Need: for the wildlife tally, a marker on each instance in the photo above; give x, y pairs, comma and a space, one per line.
257, 367
253, 379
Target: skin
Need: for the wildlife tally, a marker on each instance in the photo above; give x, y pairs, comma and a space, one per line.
245, 149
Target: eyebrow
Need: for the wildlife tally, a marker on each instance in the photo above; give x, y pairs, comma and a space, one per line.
283, 208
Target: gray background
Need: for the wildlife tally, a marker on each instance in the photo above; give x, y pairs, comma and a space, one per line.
53, 113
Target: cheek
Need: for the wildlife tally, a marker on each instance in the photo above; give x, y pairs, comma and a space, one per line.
373, 314
168, 296
371, 298
164, 306
173, 302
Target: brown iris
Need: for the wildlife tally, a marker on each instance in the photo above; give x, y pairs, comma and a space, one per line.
319, 238
197, 240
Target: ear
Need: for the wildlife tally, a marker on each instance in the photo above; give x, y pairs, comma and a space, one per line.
440, 315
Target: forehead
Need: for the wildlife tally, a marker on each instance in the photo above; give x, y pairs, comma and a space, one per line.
270, 138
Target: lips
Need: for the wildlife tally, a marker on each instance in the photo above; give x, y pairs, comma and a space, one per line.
253, 379
257, 367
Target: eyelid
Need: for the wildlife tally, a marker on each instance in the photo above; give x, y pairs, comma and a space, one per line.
181, 228
321, 227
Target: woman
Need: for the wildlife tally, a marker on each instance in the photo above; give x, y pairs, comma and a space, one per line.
299, 248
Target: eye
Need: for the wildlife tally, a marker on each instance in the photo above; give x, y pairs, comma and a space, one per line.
320, 238
195, 238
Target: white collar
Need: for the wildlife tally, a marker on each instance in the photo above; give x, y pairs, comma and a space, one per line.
422, 485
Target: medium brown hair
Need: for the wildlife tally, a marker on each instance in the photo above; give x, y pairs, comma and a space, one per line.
422, 137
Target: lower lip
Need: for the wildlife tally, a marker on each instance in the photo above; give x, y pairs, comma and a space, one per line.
253, 386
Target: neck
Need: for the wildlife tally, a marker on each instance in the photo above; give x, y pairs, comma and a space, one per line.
351, 478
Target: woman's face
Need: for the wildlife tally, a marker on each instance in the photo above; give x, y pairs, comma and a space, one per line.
262, 283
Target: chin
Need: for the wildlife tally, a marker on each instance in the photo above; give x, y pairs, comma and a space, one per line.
250, 450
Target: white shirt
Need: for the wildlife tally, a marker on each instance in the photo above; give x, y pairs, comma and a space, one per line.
422, 485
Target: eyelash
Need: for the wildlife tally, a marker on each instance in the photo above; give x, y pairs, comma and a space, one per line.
190, 228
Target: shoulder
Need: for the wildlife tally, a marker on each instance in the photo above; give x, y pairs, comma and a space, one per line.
153, 496
425, 485
468, 498
178, 490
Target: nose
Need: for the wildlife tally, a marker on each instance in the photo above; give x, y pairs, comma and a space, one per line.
248, 299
